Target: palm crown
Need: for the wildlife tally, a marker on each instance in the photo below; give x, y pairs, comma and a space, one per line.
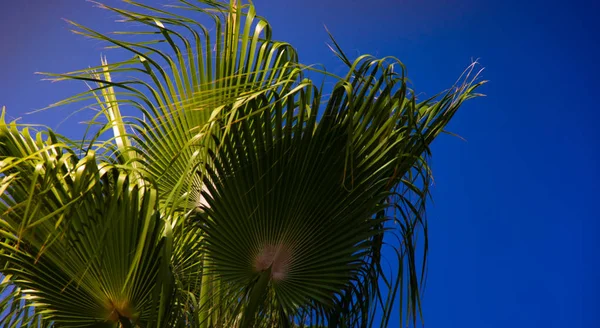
236, 194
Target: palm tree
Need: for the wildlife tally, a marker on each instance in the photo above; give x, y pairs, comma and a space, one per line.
234, 193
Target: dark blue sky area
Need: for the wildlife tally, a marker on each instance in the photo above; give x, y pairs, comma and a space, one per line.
514, 225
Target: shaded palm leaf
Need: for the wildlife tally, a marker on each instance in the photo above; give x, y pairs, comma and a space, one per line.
293, 193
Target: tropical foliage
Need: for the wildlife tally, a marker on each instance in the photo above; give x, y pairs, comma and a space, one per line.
222, 187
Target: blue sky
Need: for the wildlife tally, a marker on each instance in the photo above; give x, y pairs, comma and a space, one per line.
514, 233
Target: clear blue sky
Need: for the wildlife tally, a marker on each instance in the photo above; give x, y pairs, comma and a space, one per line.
514, 228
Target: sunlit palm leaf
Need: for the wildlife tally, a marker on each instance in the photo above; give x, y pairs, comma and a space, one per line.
184, 84
83, 241
18, 309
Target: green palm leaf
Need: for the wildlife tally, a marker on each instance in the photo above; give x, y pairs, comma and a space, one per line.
292, 198
179, 93
84, 241
230, 191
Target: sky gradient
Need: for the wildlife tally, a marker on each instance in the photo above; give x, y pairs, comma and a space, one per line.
514, 233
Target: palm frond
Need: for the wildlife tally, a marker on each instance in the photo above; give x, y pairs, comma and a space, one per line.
294, 192
84, 241
180, 88
231, 191
18, 308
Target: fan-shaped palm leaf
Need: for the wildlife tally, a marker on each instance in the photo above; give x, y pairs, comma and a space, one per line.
179, 91
291, 202
83, 241
232, 194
